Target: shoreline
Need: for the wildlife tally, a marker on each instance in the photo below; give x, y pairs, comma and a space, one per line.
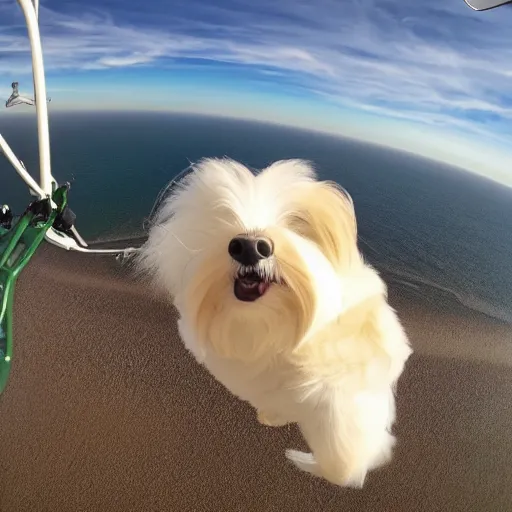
437, 326
398, 282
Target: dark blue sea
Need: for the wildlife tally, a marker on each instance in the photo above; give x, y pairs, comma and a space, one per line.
430, 225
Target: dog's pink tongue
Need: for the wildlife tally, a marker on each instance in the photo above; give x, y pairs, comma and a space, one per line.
262, 288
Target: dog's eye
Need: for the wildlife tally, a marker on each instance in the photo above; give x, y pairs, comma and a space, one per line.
299, 224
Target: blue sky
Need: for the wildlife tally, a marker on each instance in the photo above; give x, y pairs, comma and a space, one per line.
432, 77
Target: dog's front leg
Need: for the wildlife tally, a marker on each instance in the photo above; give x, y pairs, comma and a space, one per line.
270, 419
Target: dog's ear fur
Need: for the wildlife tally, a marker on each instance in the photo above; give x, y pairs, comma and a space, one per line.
324, 213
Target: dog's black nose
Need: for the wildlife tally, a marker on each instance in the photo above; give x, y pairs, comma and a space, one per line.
248, 250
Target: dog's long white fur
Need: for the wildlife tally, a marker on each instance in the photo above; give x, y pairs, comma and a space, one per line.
321, 348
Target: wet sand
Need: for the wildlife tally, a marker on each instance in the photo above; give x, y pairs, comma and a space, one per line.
106, 411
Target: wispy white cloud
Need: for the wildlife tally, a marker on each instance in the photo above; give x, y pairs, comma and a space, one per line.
434, 63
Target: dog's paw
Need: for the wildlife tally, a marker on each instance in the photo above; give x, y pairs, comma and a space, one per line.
306, 462
271, 420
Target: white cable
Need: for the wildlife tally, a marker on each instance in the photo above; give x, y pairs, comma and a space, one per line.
29, 10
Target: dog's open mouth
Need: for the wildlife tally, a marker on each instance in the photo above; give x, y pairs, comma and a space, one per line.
250, 286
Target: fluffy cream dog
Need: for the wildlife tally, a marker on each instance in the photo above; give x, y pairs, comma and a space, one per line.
276, 301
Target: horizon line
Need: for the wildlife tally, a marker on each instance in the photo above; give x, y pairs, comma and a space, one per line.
276, 123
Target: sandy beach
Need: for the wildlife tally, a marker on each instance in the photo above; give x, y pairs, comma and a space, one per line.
106, 411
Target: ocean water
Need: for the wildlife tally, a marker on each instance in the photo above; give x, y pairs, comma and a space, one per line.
430, 225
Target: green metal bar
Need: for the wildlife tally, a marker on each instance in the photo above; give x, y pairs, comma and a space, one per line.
17, 246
